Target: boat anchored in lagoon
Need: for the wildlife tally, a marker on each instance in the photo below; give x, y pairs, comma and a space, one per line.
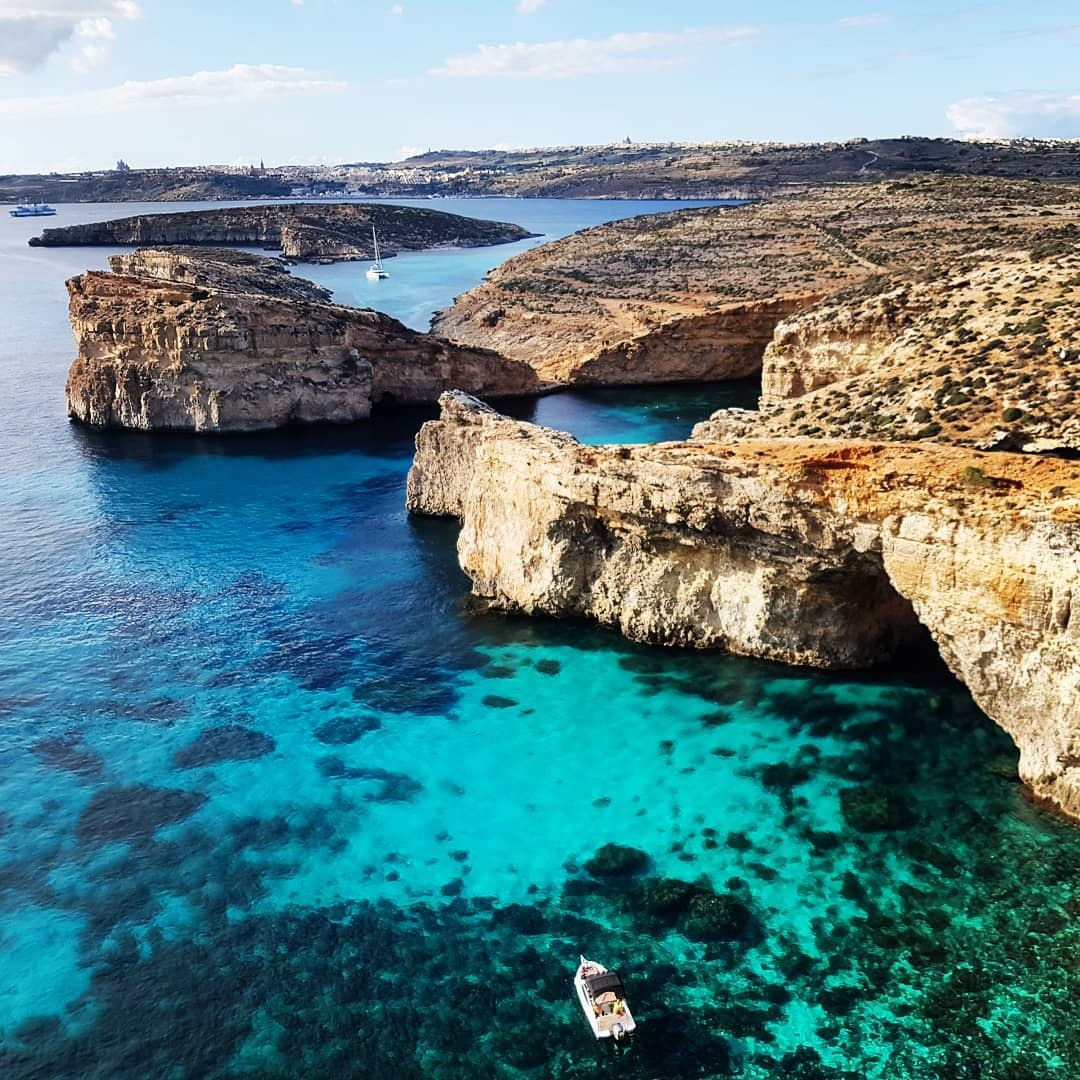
603, 1001
375, 271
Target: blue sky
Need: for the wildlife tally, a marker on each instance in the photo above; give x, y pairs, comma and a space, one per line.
83, 82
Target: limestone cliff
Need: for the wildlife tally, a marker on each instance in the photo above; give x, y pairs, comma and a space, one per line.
830, 554
987, 356
963, 293
303, 231
218, 269
156, 353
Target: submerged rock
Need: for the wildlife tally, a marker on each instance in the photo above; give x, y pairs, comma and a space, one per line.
230, 742
875, 809
135, 812
617, 860
717, 917
343, 730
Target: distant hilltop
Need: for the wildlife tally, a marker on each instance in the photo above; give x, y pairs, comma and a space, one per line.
625, 170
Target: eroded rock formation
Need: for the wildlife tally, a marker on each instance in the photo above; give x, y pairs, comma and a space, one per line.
823, 553
943, 307
225, 355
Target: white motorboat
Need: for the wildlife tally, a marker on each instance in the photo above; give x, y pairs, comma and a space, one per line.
375, 272
603, 1000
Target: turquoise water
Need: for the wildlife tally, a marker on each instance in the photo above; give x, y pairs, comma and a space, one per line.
275, 802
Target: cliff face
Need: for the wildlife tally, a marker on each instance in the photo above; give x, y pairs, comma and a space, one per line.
819, 553
987, 356
692, 295
156, 353
949, 285
302, 231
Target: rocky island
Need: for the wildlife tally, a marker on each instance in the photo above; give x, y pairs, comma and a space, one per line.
198, 340
307, 232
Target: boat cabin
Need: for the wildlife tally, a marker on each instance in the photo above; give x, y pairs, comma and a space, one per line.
607, 995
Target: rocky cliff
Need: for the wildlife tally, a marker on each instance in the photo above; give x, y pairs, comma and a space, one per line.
958, 289
308, 232
218, 269
213, 351
832, 554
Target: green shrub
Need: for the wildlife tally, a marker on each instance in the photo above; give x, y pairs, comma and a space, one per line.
975, 477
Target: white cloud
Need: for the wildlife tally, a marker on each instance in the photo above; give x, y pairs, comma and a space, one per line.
1032, 113
397, 9
240, 83
619, 54
864, 20
527, 7
30, 32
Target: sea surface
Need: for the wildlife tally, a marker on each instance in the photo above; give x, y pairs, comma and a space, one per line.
276, 802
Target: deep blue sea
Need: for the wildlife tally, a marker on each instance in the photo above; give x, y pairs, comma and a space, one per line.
276, 802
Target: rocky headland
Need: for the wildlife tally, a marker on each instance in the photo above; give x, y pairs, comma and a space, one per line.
817, 552
945, 308
915, 328
306, 232
212, 341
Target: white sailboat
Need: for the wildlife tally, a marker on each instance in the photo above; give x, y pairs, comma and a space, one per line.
375, 271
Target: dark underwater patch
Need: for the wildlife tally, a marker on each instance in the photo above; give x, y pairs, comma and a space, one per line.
345, 730
393, 786
496, 701
872, 808
230, 742
617, 860
70, 753
134, 813
498, 671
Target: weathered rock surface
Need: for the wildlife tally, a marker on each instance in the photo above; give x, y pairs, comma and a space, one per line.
986, 356
162, 354
690, 295
304, 231
823, 553
218, 269
961, 294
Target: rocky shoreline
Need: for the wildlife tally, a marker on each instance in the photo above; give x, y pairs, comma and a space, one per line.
307, 232
206, 342
821, 553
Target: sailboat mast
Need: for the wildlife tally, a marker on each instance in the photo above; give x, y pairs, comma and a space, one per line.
375, 241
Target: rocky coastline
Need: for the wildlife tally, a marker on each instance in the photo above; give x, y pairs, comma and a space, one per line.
306, 232
207, 342
835, 554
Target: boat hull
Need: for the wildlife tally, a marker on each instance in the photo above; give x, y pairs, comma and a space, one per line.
614, 1024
